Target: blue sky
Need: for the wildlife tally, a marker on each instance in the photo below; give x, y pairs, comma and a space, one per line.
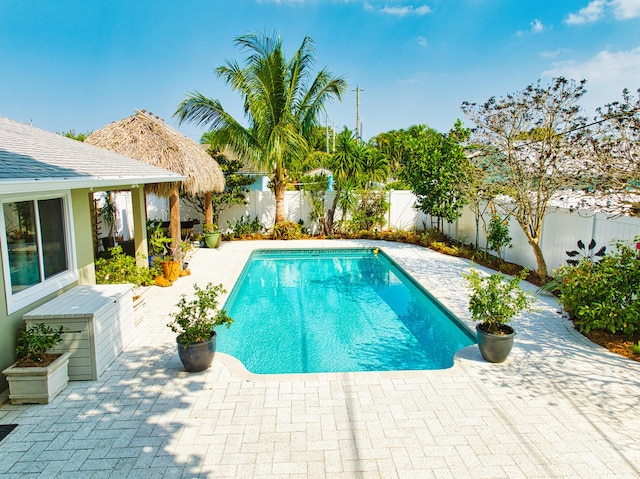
80, 65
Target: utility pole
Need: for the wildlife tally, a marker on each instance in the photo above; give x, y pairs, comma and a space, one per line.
326, 121
358, 132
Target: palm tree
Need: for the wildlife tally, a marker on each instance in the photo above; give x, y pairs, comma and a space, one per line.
348, 164
281, 103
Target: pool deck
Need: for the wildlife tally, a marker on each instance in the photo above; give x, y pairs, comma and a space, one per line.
559, 407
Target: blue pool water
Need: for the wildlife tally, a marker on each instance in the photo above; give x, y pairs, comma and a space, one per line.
303, 311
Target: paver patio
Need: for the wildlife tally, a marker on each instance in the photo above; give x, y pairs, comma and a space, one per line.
559, 407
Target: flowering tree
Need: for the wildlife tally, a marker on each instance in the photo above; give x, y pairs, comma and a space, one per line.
532, 143
614, 151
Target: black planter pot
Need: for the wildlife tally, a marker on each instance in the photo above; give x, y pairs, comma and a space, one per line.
199, 356
108, 242
495, 348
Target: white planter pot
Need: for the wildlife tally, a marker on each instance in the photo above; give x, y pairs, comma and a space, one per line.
37, 385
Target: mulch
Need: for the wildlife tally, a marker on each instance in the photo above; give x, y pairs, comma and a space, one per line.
617, 343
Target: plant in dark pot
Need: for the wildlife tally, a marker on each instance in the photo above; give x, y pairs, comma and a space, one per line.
39, 375
195, 324
109, 214
494, 301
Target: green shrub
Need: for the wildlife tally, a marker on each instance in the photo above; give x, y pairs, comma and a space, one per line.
120, 268
198, 317
36, 340
370, 211
494, 300
286, 231
244, 227
498, 235
603, 295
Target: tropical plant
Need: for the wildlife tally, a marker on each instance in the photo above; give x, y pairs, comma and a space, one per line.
494, 301
244, 227
109, 213
281, 101
159, 243
35, 341
603, 295
197, 318
210, 228
286, 231
585, 253
314, 188
120, 268
370, 211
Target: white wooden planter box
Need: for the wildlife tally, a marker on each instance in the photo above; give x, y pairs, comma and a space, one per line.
37, 385
98, 324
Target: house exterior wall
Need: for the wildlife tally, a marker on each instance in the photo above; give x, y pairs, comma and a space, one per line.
82, 244
83, 235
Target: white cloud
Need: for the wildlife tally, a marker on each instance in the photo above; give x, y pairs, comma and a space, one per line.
422, 41
537, 26
552, 53
607, 73
625, 9
592, 12
406, 10
598, 9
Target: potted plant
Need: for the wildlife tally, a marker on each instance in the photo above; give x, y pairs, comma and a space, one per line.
493, 303
186, 251
195, 324
109, 214
37, 377
211, 235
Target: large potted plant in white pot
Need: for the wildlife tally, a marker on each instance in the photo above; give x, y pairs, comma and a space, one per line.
494, 301
38, 376
195, 324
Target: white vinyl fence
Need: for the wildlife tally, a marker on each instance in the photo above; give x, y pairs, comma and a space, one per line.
561, 230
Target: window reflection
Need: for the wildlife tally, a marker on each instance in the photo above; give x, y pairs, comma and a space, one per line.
35, 235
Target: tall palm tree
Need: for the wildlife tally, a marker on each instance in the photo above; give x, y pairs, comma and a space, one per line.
281, 104
348, 167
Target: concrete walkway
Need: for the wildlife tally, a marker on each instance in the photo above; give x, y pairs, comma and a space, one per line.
559, 407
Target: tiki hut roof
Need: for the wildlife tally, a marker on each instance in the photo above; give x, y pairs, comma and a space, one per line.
149, 139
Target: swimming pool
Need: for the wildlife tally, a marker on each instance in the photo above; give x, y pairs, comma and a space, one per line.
345, 310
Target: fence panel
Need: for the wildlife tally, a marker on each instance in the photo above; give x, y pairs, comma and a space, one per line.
561, 229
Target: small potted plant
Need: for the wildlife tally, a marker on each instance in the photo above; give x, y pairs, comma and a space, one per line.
195, 324
493, 303
186, 251
211, 235
38, 376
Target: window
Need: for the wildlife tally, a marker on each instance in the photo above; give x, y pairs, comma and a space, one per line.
38, 254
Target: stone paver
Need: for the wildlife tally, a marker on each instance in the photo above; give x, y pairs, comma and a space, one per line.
559, 407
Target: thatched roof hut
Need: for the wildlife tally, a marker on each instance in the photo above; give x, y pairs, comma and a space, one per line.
149, 139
